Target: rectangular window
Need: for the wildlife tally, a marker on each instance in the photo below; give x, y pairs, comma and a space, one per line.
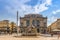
27, 23
38, 23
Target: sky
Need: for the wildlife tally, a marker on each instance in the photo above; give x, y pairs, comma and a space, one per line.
49, 8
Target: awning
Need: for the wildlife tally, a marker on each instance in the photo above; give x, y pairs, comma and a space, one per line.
56, 30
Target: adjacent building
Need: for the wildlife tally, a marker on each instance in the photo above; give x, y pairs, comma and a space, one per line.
4, 23
4, 26
54, 26
31, 23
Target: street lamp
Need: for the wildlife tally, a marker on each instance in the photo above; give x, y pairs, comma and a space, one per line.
17, 23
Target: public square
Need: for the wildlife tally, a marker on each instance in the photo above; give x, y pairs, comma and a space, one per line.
43, 37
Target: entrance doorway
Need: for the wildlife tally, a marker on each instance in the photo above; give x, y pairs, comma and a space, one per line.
38, 30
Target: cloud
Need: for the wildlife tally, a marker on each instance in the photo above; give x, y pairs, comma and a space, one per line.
40, 8
56, 11
51, 20
13, 6
49, 2
19, 5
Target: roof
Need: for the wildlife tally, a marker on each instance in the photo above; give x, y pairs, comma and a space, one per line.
33, 15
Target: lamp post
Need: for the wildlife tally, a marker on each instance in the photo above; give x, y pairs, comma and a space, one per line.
17, 23
50, 29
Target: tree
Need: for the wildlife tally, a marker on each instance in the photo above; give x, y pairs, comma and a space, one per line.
12, 26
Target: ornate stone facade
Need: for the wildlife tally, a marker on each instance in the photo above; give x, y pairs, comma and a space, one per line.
33, 23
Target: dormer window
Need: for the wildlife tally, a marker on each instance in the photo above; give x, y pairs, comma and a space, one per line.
33, 16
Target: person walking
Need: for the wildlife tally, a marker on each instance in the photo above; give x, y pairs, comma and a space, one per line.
58, 35
51, 34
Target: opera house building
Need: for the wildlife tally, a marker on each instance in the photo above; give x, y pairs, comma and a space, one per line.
33, 23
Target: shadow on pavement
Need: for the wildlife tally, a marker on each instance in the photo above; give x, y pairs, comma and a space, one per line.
26, 36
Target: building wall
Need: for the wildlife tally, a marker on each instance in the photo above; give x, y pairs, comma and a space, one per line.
58, 23
4, 23
4, 26
52, 26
